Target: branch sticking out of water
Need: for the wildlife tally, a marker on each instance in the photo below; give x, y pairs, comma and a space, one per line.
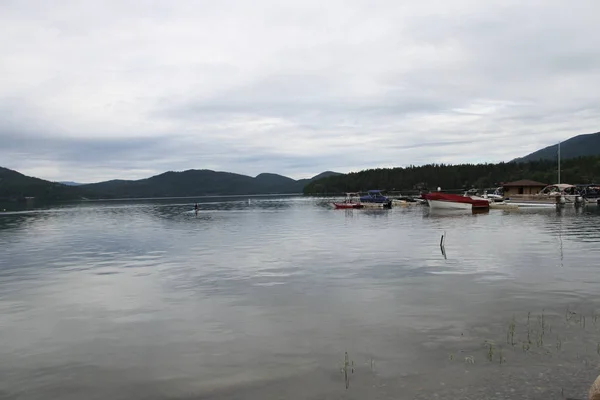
348, 366
443, 245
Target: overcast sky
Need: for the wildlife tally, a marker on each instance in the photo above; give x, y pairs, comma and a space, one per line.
96, 90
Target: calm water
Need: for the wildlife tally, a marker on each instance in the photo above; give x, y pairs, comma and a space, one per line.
261, 300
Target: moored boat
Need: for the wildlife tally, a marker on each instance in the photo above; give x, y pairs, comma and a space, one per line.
552, 195
448, 201
374, 198
349, 202
407, 200
590, 193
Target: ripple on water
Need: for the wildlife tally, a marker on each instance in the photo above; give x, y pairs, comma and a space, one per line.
255, 299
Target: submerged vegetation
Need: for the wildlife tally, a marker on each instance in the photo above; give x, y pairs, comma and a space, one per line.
538, 338
576, 170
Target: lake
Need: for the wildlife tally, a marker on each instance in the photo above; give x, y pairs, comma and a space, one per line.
263, 297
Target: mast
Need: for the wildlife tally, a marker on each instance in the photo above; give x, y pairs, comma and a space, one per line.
558, 162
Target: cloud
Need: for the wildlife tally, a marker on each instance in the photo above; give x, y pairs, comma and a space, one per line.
101, 90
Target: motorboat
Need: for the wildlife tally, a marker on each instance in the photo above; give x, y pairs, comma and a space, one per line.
407, 200
552, 195
351, 201
590, 193
374, 198
449, 201
495, 200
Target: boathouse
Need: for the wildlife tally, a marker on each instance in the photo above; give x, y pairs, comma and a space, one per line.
524, 186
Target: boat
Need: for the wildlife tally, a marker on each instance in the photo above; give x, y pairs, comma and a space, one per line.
590, 193
374, 198
495, 200
552, 195
350, 202
494, 197
448, 201
406, 200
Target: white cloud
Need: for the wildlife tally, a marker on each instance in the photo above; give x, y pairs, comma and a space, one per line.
115, 89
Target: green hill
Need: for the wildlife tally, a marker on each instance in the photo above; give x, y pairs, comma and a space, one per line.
197, 183
578, 146
16, 186
462, 176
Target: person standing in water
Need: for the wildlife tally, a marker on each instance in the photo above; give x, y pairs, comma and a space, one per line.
196, 208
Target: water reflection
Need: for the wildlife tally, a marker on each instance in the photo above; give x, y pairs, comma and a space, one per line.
262, 298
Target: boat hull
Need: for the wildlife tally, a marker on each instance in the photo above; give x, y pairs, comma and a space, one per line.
347, 206
374, 205
455, 202
448, 205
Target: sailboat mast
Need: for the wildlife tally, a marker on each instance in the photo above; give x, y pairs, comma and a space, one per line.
559, 162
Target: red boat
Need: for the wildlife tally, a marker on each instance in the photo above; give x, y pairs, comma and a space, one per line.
448, 201
350, 201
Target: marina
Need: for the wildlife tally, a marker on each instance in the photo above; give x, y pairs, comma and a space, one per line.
510, 196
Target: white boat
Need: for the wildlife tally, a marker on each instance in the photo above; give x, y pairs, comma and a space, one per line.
448, 205
448, 201
402, 202
552, 195
590, 193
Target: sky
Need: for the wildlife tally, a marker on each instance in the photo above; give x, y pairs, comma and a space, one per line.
98, 90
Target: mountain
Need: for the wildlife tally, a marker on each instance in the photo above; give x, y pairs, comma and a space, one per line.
578, 146
322, 175
71, 183
16, 186
458, 177
197, 183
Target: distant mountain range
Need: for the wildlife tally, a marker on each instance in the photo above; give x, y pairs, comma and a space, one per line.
70, 183
198, 183
577, 146
14, 185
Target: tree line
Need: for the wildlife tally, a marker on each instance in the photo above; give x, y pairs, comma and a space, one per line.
461, 176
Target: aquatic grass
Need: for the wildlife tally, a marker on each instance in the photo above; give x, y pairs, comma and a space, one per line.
510, 335
542, 331
528, 330
538, 334
490, 353
348, 367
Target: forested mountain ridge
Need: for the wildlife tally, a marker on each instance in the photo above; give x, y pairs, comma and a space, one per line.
14, 185
575, 170
577, 146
